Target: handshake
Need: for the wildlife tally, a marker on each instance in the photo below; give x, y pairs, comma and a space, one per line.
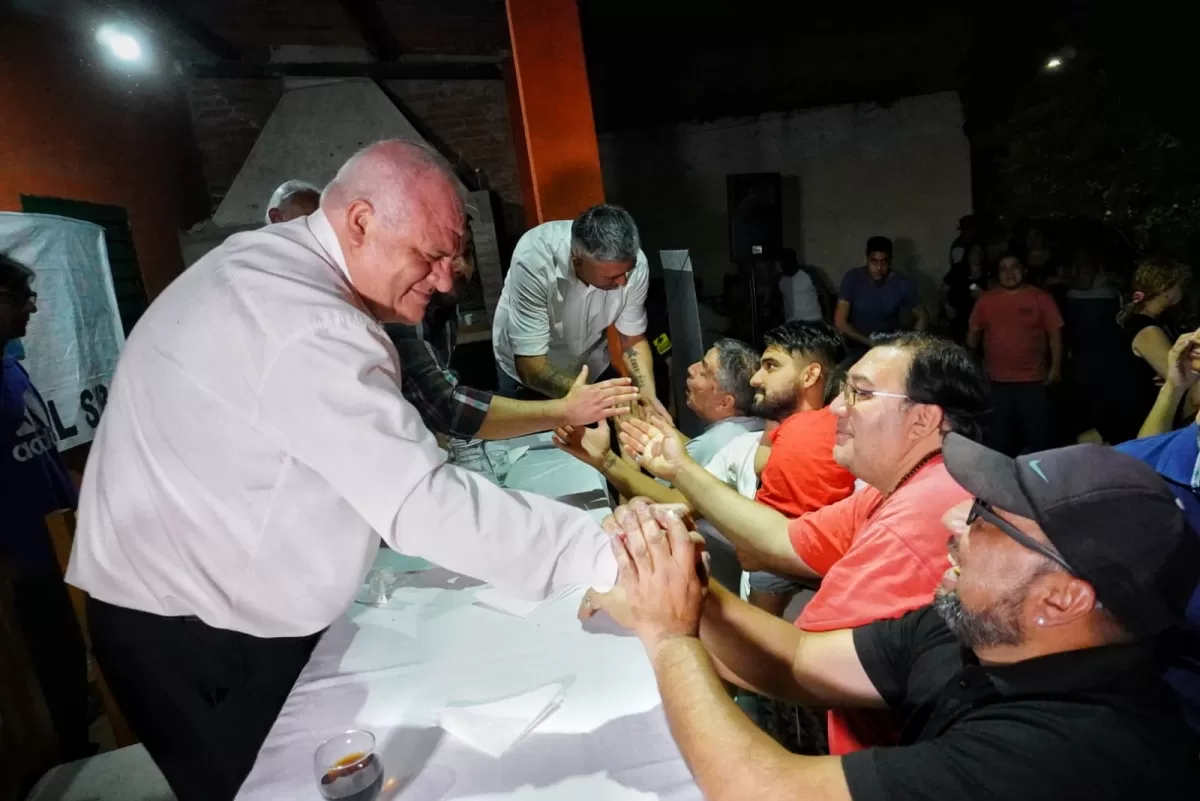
662, 573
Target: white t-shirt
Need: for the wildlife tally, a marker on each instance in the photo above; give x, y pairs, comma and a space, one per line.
544, 310
799, 297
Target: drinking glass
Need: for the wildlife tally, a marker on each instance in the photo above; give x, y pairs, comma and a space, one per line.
379, 584
347, 768
499, 462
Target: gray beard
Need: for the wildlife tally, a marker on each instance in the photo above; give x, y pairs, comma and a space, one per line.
987, 628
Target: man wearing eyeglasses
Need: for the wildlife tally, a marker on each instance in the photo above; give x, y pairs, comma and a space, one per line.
34, 482
1034, 674
880, 552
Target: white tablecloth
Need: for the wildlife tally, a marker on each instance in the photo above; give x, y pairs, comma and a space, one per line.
392, 670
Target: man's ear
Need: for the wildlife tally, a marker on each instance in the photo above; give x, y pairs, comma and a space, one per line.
359, 217
811, 375
926, 418
275, 215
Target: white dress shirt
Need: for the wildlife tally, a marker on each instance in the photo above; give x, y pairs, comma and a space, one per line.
256, 445
544, 310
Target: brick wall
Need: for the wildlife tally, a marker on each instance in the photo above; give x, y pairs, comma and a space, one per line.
227, 116
470, 117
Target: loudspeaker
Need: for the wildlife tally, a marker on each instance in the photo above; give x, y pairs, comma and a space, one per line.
755, 215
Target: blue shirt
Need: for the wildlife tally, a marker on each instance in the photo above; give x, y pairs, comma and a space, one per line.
33, 480
1174, 456
875, 306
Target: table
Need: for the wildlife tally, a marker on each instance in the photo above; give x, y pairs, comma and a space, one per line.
391, 670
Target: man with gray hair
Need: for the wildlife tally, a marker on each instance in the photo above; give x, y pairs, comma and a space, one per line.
569, 281
294, 198
255, 448
718, 391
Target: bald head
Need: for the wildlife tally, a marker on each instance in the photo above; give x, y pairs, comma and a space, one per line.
400, 223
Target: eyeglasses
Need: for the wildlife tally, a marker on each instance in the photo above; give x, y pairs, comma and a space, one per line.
982, 509
852, 394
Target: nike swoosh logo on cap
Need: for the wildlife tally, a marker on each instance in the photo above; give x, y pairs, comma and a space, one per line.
1036, 466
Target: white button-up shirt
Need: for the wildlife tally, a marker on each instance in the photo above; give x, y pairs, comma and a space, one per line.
544, 310
256, 445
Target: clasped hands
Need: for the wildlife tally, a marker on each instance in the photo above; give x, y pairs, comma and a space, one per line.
662, 573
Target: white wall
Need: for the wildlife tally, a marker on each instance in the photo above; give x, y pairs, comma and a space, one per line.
849, 172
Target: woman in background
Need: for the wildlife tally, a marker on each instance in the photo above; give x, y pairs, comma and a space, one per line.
1158, 285
963, 284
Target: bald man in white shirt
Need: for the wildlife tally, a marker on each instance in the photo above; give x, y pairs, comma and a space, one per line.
256, 446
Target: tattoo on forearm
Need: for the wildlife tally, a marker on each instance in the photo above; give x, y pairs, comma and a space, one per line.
609, 462
551, 382
635, 366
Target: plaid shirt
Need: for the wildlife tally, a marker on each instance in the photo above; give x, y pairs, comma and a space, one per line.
427, 380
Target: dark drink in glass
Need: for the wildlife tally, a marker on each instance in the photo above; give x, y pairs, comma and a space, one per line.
348, 769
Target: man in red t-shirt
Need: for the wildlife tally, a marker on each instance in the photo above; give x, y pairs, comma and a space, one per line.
881, 552
793, 384
1015, 323
795, 463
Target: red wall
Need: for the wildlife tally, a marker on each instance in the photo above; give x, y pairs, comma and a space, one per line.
73, 127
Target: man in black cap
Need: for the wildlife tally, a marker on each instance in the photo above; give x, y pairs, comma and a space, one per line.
1033, 675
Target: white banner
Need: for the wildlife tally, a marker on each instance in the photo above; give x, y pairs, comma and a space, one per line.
73, 341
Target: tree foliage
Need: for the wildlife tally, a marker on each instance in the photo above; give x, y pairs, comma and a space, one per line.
1113, 135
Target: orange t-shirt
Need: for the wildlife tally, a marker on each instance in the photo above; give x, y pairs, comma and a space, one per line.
879, 558
1015, 324
801, 476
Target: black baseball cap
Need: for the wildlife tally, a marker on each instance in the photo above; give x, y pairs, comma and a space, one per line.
1112, 518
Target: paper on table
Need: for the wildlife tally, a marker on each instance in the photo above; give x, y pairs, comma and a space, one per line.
495, 727
516, 453
594, 787
517, 607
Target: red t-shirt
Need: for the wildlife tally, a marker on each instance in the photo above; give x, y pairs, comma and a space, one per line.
1015, 323
801, 475
879, 558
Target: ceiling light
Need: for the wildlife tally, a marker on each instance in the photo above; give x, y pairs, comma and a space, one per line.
121, 44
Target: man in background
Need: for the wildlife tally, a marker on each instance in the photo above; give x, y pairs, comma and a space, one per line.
569, 281
797, 292
33, 483
294, 198
718, 391
872, 299
454, 410
1017, 324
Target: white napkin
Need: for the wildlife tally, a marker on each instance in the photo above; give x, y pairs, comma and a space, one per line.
492, 598
495, 727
